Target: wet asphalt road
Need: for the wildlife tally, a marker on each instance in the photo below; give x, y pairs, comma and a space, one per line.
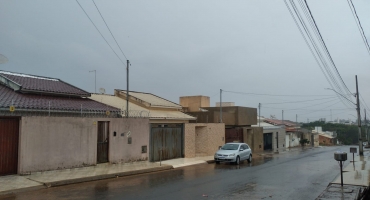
292, 175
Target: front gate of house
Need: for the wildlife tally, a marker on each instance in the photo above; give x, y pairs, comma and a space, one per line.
9, 139
165, 143
103, 142
234, 135
267, 141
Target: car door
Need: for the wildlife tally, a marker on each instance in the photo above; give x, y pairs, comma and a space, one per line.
247, 151
244, 153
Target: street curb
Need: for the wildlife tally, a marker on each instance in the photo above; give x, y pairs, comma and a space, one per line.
10, 192
107, 176
210, 161
84, 179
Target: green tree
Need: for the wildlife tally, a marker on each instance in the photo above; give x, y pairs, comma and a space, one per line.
347, 134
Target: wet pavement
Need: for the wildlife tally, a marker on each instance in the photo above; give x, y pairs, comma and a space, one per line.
292, 175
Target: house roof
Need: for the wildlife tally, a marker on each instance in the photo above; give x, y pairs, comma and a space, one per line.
278, 122
325, 135
26, 83
9, 97
150, 100
153, 113
266, 125
116, 102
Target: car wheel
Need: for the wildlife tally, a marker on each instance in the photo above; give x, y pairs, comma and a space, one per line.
250, 158
217, 162
237, 161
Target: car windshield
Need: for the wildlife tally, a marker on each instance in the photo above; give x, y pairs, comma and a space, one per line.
230, 147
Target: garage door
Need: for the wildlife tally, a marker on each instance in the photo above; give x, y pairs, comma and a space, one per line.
9, 134
234, 135
165, 143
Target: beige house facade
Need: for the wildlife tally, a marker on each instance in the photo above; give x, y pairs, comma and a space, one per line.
237, 120
49, 143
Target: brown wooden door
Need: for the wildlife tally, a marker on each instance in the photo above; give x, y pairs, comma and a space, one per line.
166, 143
103, 142
233, 135
9, 136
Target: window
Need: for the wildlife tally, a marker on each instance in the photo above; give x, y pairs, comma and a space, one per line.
144, 149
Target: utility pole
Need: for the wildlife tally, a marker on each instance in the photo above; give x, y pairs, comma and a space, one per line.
361, 150
220, 105
282, 117
367, 136
259, 115
95, 78
127, 90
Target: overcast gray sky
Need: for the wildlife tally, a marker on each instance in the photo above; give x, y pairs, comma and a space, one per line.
182, 48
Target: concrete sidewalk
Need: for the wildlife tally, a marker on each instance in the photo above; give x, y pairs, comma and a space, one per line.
38, 180
355, 178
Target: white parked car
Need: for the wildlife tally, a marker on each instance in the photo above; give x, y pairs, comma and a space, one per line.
234, 153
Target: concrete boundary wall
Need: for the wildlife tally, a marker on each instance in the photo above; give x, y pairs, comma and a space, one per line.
49, 143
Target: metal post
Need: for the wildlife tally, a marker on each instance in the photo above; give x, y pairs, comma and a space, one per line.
127, 91
361, 150
220, 105
367, 137
259, 115
341, 174
160, 156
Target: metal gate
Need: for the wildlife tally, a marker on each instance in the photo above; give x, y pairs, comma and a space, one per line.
267, 141
166, 143
234, 135
9, 138
103, 142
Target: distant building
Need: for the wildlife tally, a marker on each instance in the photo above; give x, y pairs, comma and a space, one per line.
225, 104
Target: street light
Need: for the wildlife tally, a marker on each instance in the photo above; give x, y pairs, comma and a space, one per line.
341, 95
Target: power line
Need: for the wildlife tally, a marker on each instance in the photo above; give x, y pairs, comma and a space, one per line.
301, 101
302, 108
313, 44
109, 30
359, 26
100, 32
328, 71
331, 59
289, 95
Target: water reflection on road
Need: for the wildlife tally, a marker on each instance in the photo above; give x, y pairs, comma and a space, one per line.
268, 176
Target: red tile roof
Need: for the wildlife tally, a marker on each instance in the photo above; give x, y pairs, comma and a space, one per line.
41, 102
278, 122
39, 84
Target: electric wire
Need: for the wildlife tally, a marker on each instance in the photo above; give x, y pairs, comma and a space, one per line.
326, 49
299, 101
289, 95
318, 35
109, 29
328, 72
359, 26
100, 33
315, 48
